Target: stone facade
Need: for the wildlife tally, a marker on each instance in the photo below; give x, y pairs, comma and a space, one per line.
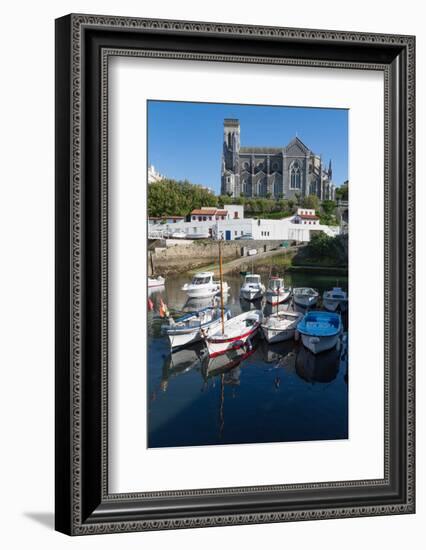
275, 172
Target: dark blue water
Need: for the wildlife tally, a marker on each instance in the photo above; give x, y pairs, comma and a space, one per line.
274, 392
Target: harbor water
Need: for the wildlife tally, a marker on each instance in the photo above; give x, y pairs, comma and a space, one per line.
270, 393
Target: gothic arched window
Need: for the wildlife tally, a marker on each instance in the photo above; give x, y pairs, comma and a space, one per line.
277, 188
295, 176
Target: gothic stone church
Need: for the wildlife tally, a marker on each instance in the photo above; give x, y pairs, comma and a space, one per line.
278, 172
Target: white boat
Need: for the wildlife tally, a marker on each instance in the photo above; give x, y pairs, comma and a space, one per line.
252, 288
179, 234
305, 297
320, 330
335, 299
193, 326
276, 292
281, 326
198, 235
203, 285
156, 283
235, 333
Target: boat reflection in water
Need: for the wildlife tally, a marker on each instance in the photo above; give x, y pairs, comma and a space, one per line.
322, 367
181, 361
195, 304
247, 305
279, 354
227, 362
261, 393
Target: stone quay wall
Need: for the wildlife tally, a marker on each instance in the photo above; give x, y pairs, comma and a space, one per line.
186, 256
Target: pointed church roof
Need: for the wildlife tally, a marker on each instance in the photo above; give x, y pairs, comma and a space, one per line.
297, 143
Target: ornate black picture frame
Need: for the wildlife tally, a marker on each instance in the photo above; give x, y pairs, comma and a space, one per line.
84, 44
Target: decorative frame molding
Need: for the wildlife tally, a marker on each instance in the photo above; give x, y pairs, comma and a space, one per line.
84, 43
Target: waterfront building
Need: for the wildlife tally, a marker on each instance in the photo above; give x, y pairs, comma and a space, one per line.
229, 224
272, 172
306, 216
206, 213
152, 220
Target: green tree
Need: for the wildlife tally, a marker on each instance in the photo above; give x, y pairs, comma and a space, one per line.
170, 197
311, 201
342, 192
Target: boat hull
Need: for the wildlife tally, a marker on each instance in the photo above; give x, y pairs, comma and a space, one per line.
276, 299
251, 294
186, 336
317, 344
305, 301
274, 335
205, 292
201, 292
217, 346
334, 305
156, 283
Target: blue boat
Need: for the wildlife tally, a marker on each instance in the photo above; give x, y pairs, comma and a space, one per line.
191, 327
320, 330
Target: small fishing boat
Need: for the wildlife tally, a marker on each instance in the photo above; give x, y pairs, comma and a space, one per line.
234, 333
191, 327
252, 288
156, 283
305, 297
335, 299
281, 326
203, 285
276, 292
320, 330
178, 234
198, 235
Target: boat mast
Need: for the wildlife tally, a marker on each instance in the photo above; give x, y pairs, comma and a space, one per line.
221, 287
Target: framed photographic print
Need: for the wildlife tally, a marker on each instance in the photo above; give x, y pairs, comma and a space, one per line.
234, 274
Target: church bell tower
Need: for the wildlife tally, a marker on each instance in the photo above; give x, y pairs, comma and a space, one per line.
230, 159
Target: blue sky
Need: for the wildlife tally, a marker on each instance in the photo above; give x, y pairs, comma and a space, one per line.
185, 139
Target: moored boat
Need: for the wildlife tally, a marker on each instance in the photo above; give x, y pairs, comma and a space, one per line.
320, 330
276, 292
198, 235
178, 234
335, 299
156, 282
193, 326
252, 288
235, 333
203, 285
281, 326
305, 297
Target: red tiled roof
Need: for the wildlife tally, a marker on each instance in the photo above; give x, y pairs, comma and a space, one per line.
308, 216
221, 212
205, 212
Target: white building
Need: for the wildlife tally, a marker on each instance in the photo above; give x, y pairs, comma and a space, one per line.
306, 216
229, 224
